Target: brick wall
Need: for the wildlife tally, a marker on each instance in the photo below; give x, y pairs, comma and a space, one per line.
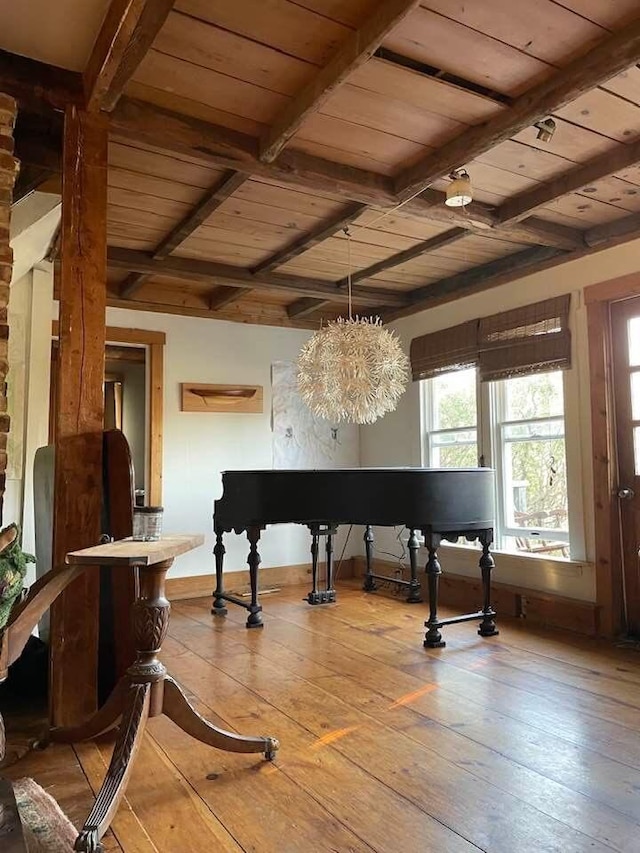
8, 173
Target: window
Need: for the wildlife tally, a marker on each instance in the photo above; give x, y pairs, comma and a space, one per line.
517, 426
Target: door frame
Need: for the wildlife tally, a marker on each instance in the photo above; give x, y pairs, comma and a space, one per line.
598, 299
155, 343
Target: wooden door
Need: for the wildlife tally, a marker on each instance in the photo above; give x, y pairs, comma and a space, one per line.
625, 318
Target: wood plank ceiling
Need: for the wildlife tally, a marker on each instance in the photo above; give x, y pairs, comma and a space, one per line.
246, 136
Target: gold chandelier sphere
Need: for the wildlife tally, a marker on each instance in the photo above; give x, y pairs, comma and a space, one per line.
352, 370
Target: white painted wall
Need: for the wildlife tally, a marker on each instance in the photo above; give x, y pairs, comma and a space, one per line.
396, 439
198, 446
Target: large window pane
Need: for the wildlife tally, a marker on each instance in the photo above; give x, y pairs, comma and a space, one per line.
536, 396
454, 400
634, 341
536, 481
635, 396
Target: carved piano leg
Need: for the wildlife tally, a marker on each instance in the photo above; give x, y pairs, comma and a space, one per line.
330, 593
254, 620
414, 596
433, 638
219, 607
313, 597
488, 625
369, 584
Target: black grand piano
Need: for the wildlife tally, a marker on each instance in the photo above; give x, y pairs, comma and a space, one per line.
440, 503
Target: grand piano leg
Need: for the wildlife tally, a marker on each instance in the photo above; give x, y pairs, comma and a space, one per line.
254, 620
414, 596
488, 625
433, 638
312, 598
369, 584
330, 593
219, 607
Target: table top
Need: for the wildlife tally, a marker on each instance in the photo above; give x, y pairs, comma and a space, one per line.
127, 552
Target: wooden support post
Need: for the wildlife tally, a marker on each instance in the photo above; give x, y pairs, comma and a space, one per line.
80, 412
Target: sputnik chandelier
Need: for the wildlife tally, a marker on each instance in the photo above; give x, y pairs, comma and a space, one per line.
352, 369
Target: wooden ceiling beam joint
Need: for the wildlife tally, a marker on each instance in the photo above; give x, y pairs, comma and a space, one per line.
357, 48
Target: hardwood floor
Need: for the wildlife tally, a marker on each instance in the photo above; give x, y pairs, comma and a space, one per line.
526, 741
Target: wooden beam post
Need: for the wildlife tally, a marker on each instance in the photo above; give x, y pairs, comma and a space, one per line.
80, 412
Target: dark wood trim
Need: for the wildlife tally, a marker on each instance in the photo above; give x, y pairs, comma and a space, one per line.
190, 269
307, 241
356, 49
609, 583
79, 412
128, 30
615, 288
620, 157
602, 62
132, 284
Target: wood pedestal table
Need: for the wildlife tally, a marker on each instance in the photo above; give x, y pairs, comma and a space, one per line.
146, 690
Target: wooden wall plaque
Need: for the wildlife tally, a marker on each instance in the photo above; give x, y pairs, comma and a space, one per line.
235, 399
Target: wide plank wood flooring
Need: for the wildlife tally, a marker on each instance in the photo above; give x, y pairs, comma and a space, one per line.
524, 742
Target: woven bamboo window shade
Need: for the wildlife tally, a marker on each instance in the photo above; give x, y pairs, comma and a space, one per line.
531, 339
444, 351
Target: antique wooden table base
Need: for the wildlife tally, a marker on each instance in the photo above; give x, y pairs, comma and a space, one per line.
146, 690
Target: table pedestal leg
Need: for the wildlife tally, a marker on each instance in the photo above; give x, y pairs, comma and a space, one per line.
178, 708
127, 744
146, 691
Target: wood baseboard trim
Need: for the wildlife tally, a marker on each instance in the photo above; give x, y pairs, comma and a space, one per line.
531, 605
198, 586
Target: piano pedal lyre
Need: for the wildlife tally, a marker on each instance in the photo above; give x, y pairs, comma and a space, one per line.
328, 594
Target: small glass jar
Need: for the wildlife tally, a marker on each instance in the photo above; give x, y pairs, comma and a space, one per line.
147, 523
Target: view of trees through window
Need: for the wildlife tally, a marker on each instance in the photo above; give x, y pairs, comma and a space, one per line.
528, 437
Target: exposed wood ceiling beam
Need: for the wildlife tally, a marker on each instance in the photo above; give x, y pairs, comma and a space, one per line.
611, 233
188, 269
608, 58
483, 220
423, 248
482, 277
209, 203
211, 200
128, 30
357, 48
220, 146
223, 296
307, 241
520, 206
305, 306
36, 85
